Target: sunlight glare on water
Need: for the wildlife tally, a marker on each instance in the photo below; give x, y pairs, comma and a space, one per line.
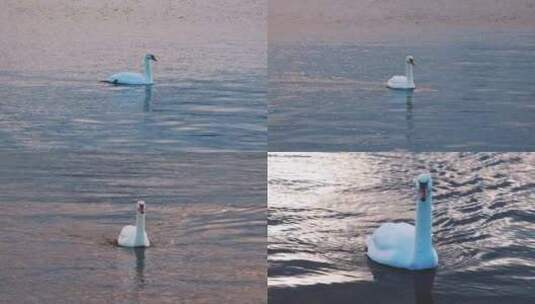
323, 205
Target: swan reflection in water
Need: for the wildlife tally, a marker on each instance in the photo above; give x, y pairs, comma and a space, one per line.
134, 280
407, 98
421, 282
408, 117
140, 267
148, 97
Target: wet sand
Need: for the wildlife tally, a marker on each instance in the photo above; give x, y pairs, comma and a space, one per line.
38, 35
346, 20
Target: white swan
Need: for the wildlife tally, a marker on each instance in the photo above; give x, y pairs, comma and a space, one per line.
402, 245
135, 236
130, 78
403, 82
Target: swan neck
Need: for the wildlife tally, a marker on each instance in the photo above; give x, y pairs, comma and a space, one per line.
409, 73
423, 244
140, 228
147, 70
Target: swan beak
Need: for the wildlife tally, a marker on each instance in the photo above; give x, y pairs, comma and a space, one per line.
154, 58
141, 209
423, 192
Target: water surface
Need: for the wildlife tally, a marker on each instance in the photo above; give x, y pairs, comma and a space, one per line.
62, 212
323, 205
474, 93
210, 80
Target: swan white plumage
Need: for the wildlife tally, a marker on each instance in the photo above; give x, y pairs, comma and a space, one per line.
402, 245
129, 78
403, 82
135, 236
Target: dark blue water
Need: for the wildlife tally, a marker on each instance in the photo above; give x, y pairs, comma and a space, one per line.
475, 92
61, 213
322, 206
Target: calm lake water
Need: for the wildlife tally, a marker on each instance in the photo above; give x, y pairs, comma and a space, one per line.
206, 218
76, 154
475, 92
323, 205
210, 80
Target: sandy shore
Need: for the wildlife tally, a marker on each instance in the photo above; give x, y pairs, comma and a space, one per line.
32, 30
348, 19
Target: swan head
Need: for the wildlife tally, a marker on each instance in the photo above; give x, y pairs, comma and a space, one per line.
410, 60
424, 185
141, 207
150, 57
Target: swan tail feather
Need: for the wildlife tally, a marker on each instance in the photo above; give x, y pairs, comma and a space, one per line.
109, 81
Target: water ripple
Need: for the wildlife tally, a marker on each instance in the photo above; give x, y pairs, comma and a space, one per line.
323, 205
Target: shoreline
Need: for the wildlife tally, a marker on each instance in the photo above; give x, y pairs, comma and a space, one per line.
345, 20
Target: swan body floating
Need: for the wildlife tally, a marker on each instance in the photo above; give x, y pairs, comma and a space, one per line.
403, 82
135, 236
129, 78
402, 245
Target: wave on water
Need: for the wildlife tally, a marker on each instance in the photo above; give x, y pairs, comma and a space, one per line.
323, 205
